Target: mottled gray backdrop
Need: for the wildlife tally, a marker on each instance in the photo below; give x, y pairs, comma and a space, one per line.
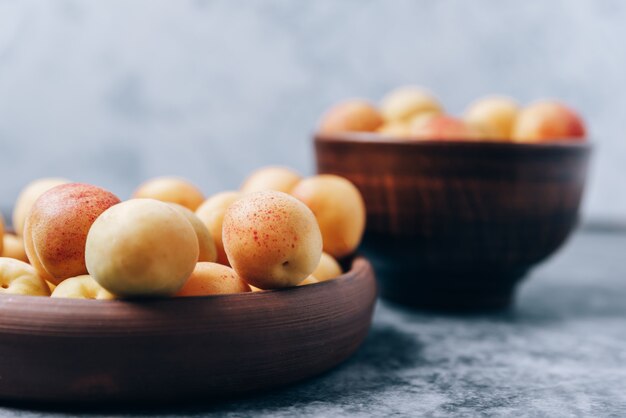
114, 92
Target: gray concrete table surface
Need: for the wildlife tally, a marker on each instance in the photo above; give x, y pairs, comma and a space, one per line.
561, 351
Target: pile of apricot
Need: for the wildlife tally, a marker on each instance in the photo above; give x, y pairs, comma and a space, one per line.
75, 240
414, 113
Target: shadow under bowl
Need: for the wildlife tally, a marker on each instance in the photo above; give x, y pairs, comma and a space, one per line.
455, 225
193, 348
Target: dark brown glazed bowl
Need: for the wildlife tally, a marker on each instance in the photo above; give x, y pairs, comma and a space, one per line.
455, 225
162, 350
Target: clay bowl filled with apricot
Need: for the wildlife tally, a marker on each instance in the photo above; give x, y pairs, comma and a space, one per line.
168, 349
146, 300
456, 224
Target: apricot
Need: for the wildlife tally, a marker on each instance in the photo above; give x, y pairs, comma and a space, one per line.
27, 198
56, 228
171, 189
395, 129
14, 248
309, 280
51, 286
211, 213
81, 287
281, 179
213, 279
20, 278
492, 116
418, 121
355, 115
328, 268
404, 103
339, 209
548, 120
2, 234
442, 127
141, 247
206, 245
272, 239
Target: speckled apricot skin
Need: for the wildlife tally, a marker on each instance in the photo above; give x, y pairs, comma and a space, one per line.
56, 228
339, 209
213, 279
272, 240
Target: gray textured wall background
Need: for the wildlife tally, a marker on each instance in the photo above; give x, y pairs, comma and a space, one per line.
114, 92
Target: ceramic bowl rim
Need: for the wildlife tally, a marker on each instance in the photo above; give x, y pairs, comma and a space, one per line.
376, 139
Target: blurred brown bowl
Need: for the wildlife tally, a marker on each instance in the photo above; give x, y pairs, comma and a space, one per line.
455, 225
